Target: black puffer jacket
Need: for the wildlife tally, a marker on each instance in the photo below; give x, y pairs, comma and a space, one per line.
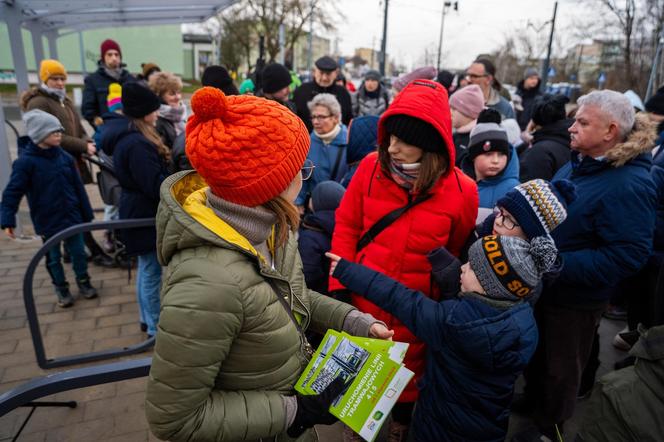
95, 92
550, 151
527, 100
166, 131
305, 93
179, 160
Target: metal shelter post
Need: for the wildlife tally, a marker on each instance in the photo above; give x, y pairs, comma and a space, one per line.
13, 20
82, 50
5, 158
37, 45
52, 38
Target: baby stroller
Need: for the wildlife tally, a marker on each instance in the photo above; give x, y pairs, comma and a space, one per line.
110, 191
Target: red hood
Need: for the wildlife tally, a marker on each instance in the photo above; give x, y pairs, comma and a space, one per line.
428, 101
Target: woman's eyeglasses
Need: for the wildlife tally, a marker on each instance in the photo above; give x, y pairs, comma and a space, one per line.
307, 169
320, 117
506, 220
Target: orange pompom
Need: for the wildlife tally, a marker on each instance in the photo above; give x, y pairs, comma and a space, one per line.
209, 103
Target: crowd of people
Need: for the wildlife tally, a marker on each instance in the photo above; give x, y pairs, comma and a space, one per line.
488, 231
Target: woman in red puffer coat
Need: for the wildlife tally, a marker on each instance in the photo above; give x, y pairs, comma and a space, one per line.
415, 159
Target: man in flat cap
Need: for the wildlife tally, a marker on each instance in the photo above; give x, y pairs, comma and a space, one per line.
325, 72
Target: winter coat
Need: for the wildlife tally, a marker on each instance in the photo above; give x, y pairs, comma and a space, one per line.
494, 188
476, 349
314, 240
74, 139
461, 142
56, 196
108, 134
166, 131
288, 104
365, 105
446, 219
226, 349
324, 158
140, 170
528, 97
499, 103
549, 152
608, 233
179, 160
95, 92
627, 404
362, 134
307, 91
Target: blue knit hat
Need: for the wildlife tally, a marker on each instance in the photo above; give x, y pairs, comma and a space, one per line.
362, 138
327, 195
539, 206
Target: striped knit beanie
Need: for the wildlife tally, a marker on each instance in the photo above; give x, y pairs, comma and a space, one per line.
114, 97
247, 149
508, 267
539, 206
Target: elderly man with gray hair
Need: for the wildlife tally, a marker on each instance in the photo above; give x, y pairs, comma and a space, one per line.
327, 153
606, 237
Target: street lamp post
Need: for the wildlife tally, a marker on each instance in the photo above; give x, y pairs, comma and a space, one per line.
442, 24
383, 45
655, 65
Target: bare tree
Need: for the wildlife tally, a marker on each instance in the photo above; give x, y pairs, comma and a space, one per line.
626, 15
236, 42
265, 17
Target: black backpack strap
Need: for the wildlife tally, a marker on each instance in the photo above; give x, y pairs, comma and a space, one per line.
335, 169
387, 220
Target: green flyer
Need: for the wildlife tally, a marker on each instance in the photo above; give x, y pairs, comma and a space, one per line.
378, 372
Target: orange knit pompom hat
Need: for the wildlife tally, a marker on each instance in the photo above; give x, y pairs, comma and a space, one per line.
248, 149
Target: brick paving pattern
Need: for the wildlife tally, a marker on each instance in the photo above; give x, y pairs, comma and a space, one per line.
110, 412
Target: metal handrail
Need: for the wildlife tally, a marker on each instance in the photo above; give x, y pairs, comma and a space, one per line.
73, 379
31, 310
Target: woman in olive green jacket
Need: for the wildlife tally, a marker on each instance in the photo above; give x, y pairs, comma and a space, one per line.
230, 342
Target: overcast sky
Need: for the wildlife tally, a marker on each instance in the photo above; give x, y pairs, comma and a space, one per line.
414, 25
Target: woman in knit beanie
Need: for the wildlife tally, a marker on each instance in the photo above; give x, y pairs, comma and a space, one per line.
231, 340
551, 139
51, 97
414, 163
466, 105
140, 160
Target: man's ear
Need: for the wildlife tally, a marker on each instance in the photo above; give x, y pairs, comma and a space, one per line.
612, 132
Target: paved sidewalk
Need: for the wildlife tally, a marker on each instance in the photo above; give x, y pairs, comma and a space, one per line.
106, 412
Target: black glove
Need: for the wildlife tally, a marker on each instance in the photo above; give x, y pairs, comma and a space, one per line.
313, 409
445, 270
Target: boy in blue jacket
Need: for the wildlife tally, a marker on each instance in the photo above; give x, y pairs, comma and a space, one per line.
478, 342
56, 196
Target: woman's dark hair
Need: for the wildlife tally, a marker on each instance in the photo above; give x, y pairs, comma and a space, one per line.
432, 166
548, 109
490, 69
